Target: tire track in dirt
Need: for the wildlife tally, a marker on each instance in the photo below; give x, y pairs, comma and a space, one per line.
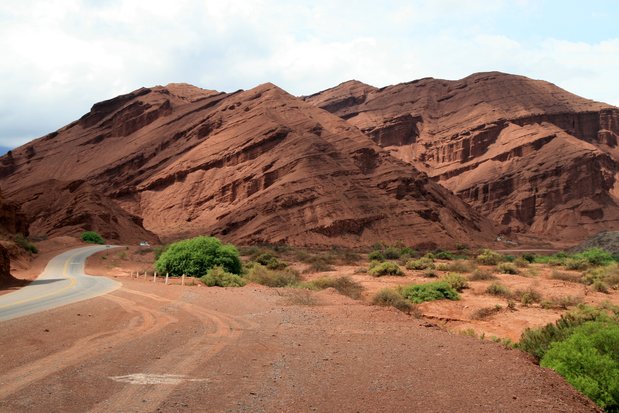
180, 361
144, 321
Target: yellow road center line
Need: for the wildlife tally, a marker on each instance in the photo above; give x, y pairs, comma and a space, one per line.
65, 273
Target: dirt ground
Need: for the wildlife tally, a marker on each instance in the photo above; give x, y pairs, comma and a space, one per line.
150, 347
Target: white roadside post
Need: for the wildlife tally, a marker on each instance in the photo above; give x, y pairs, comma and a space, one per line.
166, 278
183, 280
155, 277
145, 274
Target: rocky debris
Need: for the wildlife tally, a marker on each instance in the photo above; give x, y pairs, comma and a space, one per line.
250, 166
523, 152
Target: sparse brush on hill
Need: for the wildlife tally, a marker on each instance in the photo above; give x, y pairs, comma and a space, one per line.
92, 237
507, 268
439, 290
498, 290
486, 312
385, 268
25, 243
482, 275
455, 281
603, 276
455, 266
565, 276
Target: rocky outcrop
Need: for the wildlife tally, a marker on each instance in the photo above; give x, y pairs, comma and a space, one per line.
12, 222
250, 166
525, 153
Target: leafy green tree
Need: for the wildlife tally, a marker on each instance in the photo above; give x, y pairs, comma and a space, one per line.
197, 255
92, 237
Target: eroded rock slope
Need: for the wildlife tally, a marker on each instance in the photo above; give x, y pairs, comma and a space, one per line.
523, 152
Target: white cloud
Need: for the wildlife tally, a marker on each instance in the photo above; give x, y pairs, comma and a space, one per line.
61, 56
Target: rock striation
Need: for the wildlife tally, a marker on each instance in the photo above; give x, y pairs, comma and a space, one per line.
250, 166
524, 153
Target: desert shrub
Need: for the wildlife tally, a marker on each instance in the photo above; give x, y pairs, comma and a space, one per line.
92, 237
528, 257
385, 268
537, 341
376, 256
482, 275
528, 296
498, 290
391, 253
429, 273
388, 297
455, 281
319, 264
609, 276
408, 251
343, 285
443, 255
439, 290
24, 243
521, 262
486, 312
596, 256
423, 263
507, 268
489, 257
195, 256
270, 261
553, 260
576, 264
456, 266
564, 276
272, 278
562, 303
218, 277
599, 286
589, 360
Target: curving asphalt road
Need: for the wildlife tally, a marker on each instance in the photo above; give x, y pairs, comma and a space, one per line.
62, 282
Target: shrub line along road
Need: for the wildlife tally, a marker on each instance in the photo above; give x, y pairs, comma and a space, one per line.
62, 282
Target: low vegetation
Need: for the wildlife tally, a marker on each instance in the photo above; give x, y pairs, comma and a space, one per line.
92, 237
389, 297
218, 277
455, 281
24, 243
582, 346
260, 274
343, 285
507, 268
482, 275
385, 268
423, 263
489, 257
439, 290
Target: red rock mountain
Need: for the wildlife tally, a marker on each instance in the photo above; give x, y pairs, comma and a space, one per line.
523, 152
12, 222
250, 166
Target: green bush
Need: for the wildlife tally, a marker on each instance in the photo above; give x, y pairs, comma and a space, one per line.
507, 268
528, 296
270, 261
455, 281
343, 285
439, 290
272, 278
498, 290
376, 256
423, 263
577, 264
92, 237
482, 275
489, 257
596, 256
443, 255
218, 277
385, 268
608, 276
392, 253
196, 256
456, 266
589, 360
388, 297
537, 341
25, 244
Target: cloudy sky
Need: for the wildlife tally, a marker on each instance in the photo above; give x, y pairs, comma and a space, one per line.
58, 57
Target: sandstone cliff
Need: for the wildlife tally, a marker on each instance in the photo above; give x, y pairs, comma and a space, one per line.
250, 166
523, 152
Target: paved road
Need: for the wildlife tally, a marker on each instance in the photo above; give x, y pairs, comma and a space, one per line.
62, 282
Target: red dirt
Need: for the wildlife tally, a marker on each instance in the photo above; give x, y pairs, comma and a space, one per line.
257, 349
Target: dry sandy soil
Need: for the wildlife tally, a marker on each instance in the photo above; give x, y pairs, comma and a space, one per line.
151, 347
